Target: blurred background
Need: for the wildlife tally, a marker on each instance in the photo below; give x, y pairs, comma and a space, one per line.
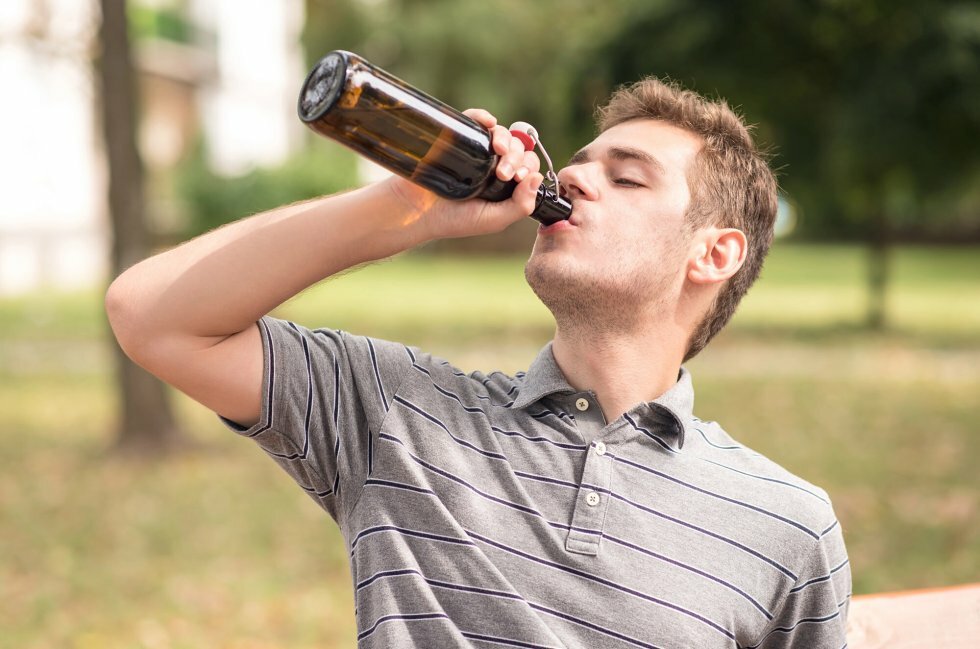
130, 518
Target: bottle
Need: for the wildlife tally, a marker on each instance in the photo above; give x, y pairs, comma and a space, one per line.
409, 133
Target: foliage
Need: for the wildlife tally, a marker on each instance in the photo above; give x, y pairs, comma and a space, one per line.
872, 105
517, 59
162, 22
212, 200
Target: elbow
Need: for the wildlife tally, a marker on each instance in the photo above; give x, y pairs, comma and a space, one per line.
123, 315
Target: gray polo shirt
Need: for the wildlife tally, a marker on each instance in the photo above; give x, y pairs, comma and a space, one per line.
503, 511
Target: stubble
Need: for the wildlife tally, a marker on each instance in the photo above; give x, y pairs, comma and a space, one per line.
597, 302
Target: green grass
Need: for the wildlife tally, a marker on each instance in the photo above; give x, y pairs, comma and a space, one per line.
218, 548
210, 549
935, 292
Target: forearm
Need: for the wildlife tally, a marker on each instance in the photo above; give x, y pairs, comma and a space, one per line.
222, 282
188, 315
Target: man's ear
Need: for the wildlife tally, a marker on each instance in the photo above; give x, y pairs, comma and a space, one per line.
719, 253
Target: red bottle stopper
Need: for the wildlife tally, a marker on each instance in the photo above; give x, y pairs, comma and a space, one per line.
525, 133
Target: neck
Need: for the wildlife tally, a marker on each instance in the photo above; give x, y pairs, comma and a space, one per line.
624, 367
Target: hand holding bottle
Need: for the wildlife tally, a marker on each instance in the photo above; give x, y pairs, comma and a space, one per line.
188, 314
443, 218
462, 157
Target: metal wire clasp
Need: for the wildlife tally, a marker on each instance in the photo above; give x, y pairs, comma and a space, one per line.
529, 136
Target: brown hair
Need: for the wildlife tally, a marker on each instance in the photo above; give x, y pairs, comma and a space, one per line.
730, 180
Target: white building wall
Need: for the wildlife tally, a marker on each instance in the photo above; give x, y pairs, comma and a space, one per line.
53, 226
250, 112
51, 204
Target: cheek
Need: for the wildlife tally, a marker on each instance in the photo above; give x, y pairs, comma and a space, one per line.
658, 250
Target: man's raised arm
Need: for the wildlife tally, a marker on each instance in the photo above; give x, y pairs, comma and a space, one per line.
188, 315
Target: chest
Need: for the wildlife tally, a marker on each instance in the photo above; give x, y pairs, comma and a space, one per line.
476, 497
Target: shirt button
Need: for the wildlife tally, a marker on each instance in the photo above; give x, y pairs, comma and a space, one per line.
582, 404
600, 448
592, 499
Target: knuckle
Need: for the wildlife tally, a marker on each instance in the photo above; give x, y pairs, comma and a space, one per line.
501, 138
482, 116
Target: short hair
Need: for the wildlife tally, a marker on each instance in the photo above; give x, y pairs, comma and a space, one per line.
730, 181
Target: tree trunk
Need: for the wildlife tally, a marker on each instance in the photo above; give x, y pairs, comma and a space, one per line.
879, 272
146, 422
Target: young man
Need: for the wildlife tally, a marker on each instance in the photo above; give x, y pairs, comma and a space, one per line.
578, 505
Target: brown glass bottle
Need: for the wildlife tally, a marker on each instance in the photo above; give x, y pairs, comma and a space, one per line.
409, 133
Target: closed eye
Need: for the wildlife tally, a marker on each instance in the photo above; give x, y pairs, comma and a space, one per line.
626, 182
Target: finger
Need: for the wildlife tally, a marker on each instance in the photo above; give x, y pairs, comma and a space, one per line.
522, 202
514, 158
529, 162
494, 217
526, 194
511, 160
502, 144
500, 138
484, 117
516, 153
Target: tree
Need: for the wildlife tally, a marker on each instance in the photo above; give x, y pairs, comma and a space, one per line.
146, 422
873, 104
515, 58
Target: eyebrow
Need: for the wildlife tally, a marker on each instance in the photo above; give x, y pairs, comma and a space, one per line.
620, 153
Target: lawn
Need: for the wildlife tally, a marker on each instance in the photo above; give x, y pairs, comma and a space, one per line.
217, 548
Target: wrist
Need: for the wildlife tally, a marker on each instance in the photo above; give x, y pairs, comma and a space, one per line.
395, 216
419, 212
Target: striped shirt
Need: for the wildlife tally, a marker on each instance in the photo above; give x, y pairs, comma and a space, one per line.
503, 511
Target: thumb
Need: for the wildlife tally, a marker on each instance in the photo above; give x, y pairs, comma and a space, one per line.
497, 216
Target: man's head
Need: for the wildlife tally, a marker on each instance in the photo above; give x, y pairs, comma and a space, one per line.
673, 207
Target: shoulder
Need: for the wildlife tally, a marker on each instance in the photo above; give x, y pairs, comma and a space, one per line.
437, 375
362, 353
747, 471
388, 363
797, 526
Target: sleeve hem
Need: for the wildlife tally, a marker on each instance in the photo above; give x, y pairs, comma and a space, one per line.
268, 387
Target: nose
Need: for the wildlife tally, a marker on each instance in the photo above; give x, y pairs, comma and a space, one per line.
577, 182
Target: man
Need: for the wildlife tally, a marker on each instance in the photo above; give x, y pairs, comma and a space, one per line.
578, 505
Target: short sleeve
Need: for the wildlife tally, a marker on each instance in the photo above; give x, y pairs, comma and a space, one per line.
813, 614
325, 395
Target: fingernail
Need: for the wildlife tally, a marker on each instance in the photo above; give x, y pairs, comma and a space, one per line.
506, 169
520, 174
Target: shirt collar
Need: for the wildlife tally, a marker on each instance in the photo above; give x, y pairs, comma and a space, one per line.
544, 378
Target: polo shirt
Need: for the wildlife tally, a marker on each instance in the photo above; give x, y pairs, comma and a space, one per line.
488, 510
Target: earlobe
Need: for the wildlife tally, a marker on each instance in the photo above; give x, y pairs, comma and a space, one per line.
719, 256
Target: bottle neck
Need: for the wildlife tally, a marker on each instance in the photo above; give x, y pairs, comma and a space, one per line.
550, 208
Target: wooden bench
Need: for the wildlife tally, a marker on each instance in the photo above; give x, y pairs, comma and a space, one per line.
940, 618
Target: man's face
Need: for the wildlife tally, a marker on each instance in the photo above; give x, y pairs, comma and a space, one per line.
624, 252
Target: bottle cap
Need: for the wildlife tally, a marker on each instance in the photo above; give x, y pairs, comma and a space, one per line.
528, 135
525, 133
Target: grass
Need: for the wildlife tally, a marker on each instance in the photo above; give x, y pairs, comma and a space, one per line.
217, 548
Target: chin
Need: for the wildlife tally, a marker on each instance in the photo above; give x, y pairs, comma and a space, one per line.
540, 272
557, 278
547, 267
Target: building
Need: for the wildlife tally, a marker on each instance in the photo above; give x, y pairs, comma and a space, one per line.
233, 79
